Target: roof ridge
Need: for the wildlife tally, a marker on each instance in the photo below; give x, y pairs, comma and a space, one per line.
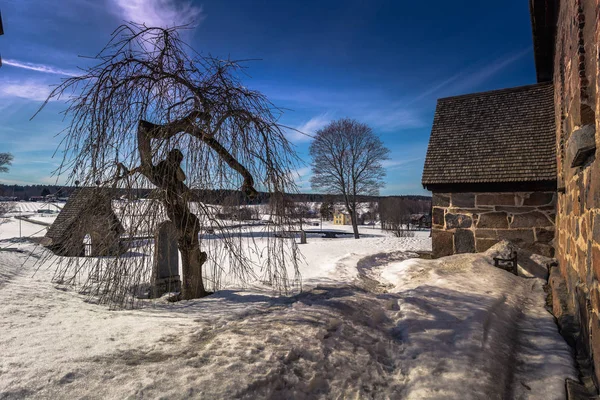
495, 91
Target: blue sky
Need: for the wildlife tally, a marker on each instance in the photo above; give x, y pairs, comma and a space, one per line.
381, 62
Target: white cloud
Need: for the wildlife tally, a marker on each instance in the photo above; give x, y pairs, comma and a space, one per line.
307, 130
393, 118
469, 78
159, 13
393, 163
301, 177
30, 90
47, 69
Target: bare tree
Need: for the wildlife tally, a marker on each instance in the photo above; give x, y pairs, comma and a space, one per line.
152, 107
5, 161
326, 209
346, 159
396, 212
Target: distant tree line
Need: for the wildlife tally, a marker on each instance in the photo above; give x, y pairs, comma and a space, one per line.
24, 192
396, 212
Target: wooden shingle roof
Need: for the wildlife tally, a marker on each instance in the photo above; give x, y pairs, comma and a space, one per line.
84, 203
503, 135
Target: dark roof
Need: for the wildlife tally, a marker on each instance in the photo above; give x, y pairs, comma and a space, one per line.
543, 25
498, 136
83, 203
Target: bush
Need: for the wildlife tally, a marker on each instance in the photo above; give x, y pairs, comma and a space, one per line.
403, 233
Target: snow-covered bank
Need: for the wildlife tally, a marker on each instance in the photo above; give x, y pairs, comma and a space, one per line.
454, 328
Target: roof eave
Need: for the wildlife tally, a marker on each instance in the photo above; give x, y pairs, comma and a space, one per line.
543, 24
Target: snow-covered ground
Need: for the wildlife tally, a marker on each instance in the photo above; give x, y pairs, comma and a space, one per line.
12, 227
372, 322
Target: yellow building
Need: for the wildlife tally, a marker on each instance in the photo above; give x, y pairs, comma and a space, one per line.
341, 218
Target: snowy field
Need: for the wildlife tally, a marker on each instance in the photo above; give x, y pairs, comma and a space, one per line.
12, 227
372, 322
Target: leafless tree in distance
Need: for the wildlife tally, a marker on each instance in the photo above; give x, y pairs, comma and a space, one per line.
347, 159
153, 113
5, 161
327, 208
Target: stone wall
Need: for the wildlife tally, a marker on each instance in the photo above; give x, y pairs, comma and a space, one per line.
474, 222
578, 207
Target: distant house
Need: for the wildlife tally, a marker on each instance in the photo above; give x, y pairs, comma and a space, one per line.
491, 165
420, 220
341, 218
37, 198
87, 212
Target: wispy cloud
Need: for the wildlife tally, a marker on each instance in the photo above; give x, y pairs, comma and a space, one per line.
301, 177
30, 90
470, 78
375, 108
158, 13
47, 69
393, 164
391, 118
436, 88
489, 70
307, 130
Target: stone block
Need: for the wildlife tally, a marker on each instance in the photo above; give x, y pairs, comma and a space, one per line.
442, 243
579, 391
516, 236
515, 209
595, 342
485, 234
437, 217
534, 219
482, 245
593, 191
471, 210
454, 221
544, 235
582, 263
581, 145
539, 199
595, 300
496, 199
542, 249
596, 260
463, 200
464, 241
596, 228
440, 200
493, 220
562, 305
584, 310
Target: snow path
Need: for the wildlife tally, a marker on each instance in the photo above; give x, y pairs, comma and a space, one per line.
371, 324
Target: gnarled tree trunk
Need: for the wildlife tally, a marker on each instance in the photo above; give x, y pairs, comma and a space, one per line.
188, 228
354, 224
192, 259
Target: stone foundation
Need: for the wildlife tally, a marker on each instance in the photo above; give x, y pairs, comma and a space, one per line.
474, 222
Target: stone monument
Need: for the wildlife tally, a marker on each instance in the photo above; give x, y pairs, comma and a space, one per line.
165, 271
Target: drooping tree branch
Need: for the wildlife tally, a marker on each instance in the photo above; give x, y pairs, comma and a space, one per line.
152, 113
